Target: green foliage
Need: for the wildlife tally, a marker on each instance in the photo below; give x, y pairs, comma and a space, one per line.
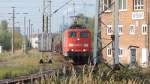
6, 37
5, 40
18, 38
18, 64
84, 20
101, 75
11, 71
4, 26
127, 74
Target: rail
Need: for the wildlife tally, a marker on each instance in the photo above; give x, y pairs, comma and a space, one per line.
29, 78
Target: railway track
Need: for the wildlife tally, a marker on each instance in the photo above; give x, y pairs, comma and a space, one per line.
44, 73
29, 79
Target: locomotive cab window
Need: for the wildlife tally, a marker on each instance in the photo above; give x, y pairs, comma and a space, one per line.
72, 34
83, 34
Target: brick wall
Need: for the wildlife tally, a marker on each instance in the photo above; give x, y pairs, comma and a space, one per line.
125, 40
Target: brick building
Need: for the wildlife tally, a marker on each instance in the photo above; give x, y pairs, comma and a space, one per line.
134, 33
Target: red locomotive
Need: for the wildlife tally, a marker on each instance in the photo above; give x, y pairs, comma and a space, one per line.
77, 43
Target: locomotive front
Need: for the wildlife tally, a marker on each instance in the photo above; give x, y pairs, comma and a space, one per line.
77, 44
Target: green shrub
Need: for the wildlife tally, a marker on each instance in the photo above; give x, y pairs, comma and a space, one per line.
100, 75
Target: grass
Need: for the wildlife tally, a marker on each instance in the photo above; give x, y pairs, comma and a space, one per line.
11, 72
100, 75
16, 65
22, 64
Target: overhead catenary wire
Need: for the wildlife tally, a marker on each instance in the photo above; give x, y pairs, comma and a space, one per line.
28, 8
61, 7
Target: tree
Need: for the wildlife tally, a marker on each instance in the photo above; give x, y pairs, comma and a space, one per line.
5, 40
18, 40
4, 26
6, 37
84, 20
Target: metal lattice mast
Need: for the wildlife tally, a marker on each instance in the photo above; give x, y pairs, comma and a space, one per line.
24, 41
29, 31
13, 30
50, 15
96, 28
43, 17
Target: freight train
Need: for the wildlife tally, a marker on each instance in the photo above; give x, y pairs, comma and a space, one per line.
74, 43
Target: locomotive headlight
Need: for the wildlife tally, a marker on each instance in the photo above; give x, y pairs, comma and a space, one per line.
72, 49
84, 50
85, 45
71, 44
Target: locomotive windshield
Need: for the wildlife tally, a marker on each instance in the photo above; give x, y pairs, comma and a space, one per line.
83, 34
72, 34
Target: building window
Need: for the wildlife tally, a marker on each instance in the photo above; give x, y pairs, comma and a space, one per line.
132, 29
109, 30
107, 5
138, 4
109, 51
144, 29
122, 5
120, 52
120, 29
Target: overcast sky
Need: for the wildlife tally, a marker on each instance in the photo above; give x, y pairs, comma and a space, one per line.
34, 8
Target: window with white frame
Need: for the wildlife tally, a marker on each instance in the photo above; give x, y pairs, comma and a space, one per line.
138, 4
109, 30
132, 29
107, 5
109, 51
122, 5
120, 27
120, 52
144, 28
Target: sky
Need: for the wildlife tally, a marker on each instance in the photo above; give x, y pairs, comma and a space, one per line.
34, 8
